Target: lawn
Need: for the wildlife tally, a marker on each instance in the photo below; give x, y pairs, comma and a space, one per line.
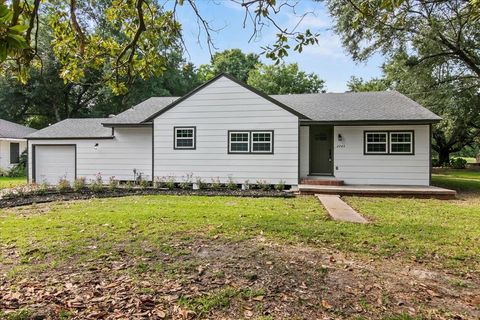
462, 180
218, 256
8, 182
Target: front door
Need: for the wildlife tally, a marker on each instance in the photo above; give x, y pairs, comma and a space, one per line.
321, 153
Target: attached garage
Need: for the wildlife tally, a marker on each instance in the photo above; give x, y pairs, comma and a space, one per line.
52, 162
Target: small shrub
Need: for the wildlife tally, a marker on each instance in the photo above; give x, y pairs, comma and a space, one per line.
20, 169
129, 185
159, 182
112, 183
231, 184
280, 186
458, 163
97, 184
170, 183
200, 183
187, 182
42, 188
63, 185
216, 184
263, 185
144, 183
79, 184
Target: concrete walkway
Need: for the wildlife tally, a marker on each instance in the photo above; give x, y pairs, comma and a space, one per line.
339, 210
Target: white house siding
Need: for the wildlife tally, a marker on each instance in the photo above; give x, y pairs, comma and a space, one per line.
130, 149
304, 151
221, 106
352, 166
5, 152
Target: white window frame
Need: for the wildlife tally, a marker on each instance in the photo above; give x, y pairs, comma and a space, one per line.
230, 141
392, 143
269, 142
193, 138
367, 143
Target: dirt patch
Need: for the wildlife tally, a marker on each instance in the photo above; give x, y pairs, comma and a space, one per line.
216, 278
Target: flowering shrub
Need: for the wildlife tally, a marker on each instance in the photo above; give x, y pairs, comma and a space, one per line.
200, 183
79, 184
280, 186
231, 184
170, 183
160, 182
97, 184
216, 184
63, 185
187, 182
112, 183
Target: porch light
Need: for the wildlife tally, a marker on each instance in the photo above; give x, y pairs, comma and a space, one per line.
95, 146
340, 138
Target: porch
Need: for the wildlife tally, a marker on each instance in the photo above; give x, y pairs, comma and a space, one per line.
423, 192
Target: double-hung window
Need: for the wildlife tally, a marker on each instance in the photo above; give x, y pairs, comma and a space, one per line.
376, 142
239, 142
14, 152
389, 142
184, 137
250, 141
262, 141
401, 142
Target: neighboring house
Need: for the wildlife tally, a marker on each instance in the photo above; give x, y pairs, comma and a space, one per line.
12, 143
229, 130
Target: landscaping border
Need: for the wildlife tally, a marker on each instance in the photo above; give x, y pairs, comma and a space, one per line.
52, 196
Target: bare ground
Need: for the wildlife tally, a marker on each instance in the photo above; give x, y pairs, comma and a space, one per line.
223, 279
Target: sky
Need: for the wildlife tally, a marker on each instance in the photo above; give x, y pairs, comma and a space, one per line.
327, 59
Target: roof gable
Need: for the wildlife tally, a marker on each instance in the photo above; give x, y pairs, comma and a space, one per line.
206, 84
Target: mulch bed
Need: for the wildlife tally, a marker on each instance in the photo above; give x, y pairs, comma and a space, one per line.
51, 196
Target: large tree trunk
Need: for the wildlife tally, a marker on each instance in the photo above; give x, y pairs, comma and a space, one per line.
444, 156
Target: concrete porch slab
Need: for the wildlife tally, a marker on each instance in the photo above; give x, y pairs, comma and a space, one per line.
339, 210
380, 191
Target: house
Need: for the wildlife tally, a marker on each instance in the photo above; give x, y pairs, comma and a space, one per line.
227, 130
12, 143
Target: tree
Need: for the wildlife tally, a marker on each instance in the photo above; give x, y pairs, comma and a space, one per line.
457, 102
359, 85
284, 79
233, 61
434, 31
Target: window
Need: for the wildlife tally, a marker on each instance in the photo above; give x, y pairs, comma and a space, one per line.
239, 142
376, 142
250, 142
389, 142
401, 142
184, 138
14, 152
262, 142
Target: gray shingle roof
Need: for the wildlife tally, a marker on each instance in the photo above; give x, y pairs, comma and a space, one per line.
141, 111
74, 128
323, 107
329, 107
357, 106
13, 130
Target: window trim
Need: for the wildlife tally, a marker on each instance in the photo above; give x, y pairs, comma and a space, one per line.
412, 142
194, 138
250, 141
229, 149
388, 153
366, 143
18, 152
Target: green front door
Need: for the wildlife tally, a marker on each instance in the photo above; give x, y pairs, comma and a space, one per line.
321, 153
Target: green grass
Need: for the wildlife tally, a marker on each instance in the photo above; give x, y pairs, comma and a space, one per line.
457, 179
7, 182
96, 228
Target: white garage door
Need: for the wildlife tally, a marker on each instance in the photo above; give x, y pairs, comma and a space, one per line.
54, 162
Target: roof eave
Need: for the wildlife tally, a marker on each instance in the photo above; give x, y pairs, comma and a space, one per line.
372, 122
127, 125
69, 138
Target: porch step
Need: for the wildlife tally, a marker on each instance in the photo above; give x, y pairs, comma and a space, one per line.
321, 182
